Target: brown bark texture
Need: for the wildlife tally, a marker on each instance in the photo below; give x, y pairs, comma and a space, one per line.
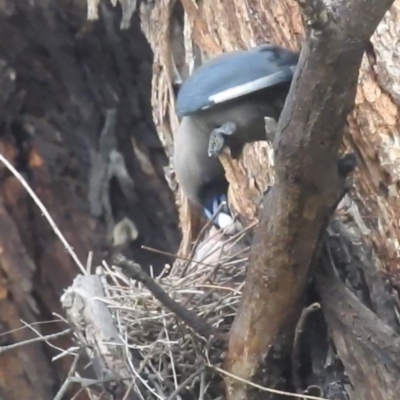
76, 121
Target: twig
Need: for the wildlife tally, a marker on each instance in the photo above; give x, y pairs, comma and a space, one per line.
171, 357
189, 379
232, 240
44, 211
86, 382
296, 363
165, 253
202, 385
134, 271
204, 229
89, 262
31, 324
67, 382
3, 349
71, 351
128, 390
265, 389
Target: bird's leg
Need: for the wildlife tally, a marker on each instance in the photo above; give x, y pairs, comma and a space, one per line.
217, 139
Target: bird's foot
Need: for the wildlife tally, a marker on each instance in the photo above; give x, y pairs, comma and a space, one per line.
217, 138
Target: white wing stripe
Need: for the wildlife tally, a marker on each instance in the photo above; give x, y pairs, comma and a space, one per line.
247, 88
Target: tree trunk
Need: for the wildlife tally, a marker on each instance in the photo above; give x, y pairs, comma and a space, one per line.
60, 77
75, 95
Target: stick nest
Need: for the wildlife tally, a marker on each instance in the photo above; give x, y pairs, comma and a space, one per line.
167, 352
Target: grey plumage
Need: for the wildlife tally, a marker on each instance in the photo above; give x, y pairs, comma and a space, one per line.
224, 102
192, 165
202, 178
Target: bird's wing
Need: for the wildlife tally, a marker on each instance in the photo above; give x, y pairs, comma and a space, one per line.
284, 75
235, 74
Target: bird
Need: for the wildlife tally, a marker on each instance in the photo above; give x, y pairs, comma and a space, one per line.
201, 178
224, 103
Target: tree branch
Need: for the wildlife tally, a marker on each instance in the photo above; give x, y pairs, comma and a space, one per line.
308, 185
369, 349
34, 340
93, 325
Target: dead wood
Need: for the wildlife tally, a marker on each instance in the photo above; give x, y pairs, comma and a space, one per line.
91, 319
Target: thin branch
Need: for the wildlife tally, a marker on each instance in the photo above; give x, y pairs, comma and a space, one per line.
189, 259
67, 382
44, 211
265, 389
3, 349
166, 253
188, 380
31, 324
40, 336
71, 351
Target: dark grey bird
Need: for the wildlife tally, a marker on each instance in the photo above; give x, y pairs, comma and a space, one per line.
224, 102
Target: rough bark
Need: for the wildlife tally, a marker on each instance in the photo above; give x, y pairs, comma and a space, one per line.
59, 76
